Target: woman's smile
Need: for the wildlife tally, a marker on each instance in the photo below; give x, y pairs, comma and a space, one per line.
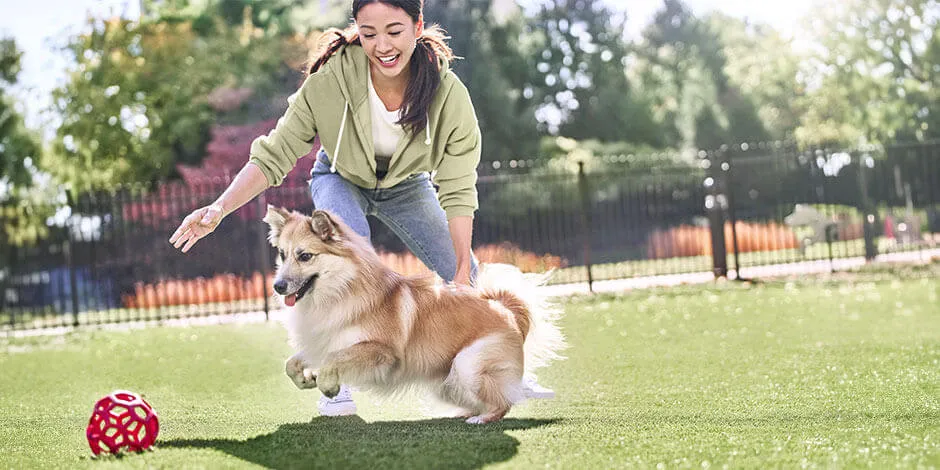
389, 61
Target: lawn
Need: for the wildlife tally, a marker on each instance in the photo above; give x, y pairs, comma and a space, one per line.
834, 372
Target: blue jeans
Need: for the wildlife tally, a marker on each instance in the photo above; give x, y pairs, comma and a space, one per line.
410, 209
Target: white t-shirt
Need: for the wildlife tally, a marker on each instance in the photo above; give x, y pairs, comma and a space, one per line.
385, 132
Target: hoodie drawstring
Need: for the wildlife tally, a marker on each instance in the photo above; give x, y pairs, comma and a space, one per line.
339, 139
427, 129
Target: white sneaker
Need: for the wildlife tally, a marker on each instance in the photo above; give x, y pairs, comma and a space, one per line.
532, 389
340, 405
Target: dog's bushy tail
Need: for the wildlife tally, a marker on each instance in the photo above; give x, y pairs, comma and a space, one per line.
533, 311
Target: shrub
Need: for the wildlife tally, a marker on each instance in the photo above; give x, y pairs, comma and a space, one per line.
507, 253
689, 240
219, 288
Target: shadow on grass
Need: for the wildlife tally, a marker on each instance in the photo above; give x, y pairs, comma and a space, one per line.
350, 442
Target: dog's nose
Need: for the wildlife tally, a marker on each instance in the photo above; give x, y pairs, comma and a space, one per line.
280, 286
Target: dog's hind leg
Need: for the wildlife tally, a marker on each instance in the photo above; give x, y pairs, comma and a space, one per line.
367, 363
486, 378
499, 387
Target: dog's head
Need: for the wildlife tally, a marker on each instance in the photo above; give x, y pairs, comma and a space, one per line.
316, 254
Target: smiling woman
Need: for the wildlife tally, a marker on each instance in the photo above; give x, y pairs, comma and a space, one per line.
393, 119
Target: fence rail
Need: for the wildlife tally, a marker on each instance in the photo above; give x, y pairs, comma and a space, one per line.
730, 210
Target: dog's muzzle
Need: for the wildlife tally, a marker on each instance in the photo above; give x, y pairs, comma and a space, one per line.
281, 287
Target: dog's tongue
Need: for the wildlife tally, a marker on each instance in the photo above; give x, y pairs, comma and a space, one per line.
290, 300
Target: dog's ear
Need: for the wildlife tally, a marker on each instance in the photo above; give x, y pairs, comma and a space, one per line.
275, 218
323, 225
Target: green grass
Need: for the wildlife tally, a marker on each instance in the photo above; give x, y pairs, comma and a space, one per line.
838, 371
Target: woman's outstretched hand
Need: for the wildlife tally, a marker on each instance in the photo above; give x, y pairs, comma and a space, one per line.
197, 225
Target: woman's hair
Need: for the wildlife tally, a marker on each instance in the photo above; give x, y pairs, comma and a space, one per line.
425, 71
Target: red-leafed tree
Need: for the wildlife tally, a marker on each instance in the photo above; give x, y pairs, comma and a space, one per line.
227, 152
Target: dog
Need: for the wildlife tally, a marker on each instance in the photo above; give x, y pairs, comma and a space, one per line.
354, 321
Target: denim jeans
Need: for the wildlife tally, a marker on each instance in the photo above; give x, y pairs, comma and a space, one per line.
410, 209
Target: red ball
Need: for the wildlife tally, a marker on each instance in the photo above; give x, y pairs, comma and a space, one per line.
122, 420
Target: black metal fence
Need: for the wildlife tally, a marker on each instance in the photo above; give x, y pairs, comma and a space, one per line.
745, 210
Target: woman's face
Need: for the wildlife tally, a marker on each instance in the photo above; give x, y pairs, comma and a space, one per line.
388, 36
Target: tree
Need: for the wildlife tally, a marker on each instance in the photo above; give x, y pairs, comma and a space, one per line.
493, 68
137, 99
680, 65
24, 190
18, 148
577, 57
271, 17
762, 64
874, 77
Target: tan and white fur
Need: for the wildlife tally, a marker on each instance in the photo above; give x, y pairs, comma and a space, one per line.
354, 321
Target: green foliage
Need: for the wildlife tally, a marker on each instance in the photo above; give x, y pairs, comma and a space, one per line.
576, 57
681, 68
493, 67
612, 168
24, 190
273, 18
602, 157
874, 78
137, 103
18, 147
763, 67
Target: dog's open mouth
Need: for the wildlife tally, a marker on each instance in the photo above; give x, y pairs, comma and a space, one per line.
292, 299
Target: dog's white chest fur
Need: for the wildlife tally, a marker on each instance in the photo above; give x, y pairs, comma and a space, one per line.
316, 339
346, 338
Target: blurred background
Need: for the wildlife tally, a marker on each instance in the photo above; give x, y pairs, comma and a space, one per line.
621, 140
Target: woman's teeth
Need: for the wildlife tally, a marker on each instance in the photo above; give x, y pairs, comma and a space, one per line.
388, 60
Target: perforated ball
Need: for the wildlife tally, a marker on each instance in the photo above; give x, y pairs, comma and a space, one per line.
122, 420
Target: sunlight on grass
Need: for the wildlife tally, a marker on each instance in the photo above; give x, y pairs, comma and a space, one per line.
837, 371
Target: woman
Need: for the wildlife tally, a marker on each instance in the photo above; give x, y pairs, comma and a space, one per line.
388, 112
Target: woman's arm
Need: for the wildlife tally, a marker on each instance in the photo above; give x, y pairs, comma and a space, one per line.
271, 158
456, 176
461, 232
249, 183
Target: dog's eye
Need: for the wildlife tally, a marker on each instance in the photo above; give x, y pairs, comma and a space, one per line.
281, 254
304, 257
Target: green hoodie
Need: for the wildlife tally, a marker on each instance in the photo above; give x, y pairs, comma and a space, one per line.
334, 104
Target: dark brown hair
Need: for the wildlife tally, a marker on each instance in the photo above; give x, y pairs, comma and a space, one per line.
425, 71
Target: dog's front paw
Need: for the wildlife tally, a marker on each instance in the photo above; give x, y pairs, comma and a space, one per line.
302, 377
328, 382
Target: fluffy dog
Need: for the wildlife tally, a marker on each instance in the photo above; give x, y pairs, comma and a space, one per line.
354, 321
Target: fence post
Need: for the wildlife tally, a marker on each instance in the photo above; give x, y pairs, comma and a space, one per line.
9, 255
715, 202
869, 211
586, 222
73, 282
726, 170
263, 260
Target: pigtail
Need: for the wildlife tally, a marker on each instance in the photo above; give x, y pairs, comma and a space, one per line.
425, 78
331, 41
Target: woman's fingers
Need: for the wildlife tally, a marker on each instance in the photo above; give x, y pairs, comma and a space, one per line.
195, 226
182, 238
186, 230
179, 232
193, 238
